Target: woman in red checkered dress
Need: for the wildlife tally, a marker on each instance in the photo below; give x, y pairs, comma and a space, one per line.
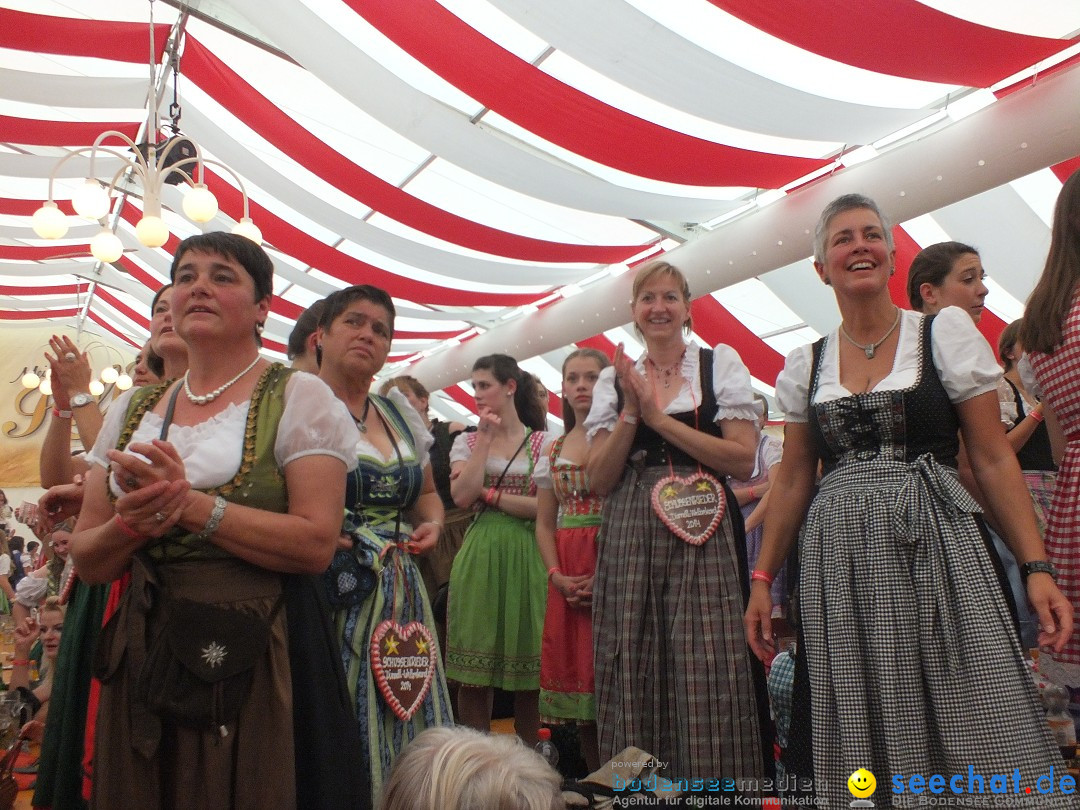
1051, 335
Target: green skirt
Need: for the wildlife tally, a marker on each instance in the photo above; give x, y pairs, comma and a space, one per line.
498, 594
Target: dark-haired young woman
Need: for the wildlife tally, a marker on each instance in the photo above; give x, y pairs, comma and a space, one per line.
498, 584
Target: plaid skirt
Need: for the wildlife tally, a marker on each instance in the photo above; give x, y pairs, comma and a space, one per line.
674, 675
914, 664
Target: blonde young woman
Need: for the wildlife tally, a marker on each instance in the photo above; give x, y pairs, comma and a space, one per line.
674, 676
217, 489
908, 659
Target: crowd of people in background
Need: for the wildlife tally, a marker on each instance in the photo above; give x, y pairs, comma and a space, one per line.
255, 569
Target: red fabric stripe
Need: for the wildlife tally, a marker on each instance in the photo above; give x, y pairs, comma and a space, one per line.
121, 307
59, 289
457, 393
41, 253
42, 33
26, 208
898, 37
716, 325
35, 314
564, 115
1066, 169
288, 238
43, 132
600, 343
906, 250
259, 113
100, 321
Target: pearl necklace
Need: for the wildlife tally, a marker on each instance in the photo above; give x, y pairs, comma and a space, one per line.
870, 348
667, 372
217, 392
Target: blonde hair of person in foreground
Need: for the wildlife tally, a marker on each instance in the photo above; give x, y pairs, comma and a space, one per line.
458, 768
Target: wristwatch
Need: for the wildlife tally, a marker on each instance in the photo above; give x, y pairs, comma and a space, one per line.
81, 399
1038, 567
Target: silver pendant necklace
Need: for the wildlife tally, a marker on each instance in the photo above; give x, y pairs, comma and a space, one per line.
870, 348
361, 423
203, 399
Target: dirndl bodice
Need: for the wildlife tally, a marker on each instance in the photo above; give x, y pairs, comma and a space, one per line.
901, 426
378, 491
577, 505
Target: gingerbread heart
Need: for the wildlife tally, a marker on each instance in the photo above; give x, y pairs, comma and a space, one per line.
691, 507
403, 662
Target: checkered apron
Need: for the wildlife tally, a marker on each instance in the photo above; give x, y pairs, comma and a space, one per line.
673, 672
1059, 378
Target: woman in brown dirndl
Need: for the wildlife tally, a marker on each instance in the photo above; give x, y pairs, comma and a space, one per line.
210, 490
674, 676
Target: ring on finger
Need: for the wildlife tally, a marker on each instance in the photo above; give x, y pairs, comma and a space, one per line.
131, 482
70, 357
160, 518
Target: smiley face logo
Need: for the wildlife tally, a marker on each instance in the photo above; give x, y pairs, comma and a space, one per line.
862, 783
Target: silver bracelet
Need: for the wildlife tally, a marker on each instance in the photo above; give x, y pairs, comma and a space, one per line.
216, 514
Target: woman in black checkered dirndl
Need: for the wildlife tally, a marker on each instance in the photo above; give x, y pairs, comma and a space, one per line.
674, 676
914, 665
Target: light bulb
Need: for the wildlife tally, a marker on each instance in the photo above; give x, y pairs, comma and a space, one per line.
152, 231
96, 388
123, 382
106, 246
45, 386
30, 380
49, 221
90, 200
200, 204
109, 374
248, 229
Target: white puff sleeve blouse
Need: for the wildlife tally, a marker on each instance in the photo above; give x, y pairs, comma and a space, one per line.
314, 422
964, 361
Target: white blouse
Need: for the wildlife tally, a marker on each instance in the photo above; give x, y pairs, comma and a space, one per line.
964, 360
314, 422
731, 387
421, 435
460, 451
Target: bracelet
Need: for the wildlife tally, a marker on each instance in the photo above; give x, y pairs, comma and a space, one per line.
59, 414
21, 662
553, 571
1038, 567
630, 419
1036, 415
763, 576
753, 497
490, 495
216, 514
125, 527
435, 522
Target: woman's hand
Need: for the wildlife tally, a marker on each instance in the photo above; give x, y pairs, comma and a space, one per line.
154, 509
26, 633
424, 537
487, 426
1053, 609
162, 463
58, 504
70, 370
758, 622
630, 381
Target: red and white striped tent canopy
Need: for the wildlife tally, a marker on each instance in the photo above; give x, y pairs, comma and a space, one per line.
499, 165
